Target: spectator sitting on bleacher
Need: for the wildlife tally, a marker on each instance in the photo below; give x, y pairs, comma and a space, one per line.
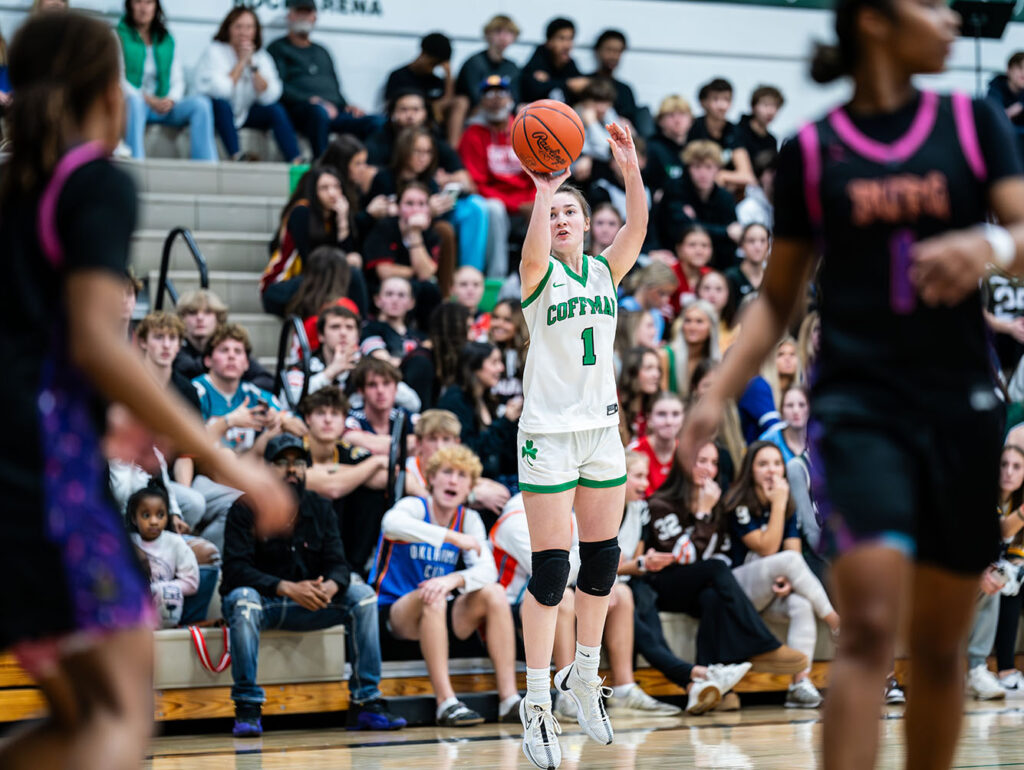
407, 246
435, 51
154, 82
1007, 91
608, 50
244, 416
241, 79
500, 32
509, 334
486, 150
376, 381
716, 99
452, 196
705, 684
327, 279
312, 93
437, 429
203, 312
551, 72
468, 291
696, 198
338, 354
665, 148
422, 539
173, 569
434, 364
352, 478
394, 303
297, 582
487, 429
319, 213
755, 246
758, 205
596, 111
752, 131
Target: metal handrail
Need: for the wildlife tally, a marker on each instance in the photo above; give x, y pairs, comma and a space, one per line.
293, 324
165, 261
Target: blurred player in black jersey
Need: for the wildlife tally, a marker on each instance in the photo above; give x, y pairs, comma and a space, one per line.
75, 609
892, 189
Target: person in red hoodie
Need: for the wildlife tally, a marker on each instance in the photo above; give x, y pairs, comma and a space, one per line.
486, 150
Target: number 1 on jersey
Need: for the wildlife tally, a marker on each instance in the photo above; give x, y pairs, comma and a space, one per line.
589, 358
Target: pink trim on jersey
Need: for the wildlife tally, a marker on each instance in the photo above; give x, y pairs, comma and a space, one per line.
963, 114
809, 147
899, 150
49, 239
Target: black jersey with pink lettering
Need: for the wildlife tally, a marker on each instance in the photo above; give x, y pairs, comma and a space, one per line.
866, 189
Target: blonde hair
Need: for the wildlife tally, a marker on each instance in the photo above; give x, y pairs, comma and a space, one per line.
202, 300
632, 458
501, 21
459, 458
674, 103
804, 342
770, 370
160, 321
702, 151
438, 422
655, 274
681, 351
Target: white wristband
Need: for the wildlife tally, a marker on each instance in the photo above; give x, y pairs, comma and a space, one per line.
1004, 249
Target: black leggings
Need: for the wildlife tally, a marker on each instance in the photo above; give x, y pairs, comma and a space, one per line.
730, 629
1006, 631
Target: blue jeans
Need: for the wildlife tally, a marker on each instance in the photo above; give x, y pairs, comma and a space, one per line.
248, 613
262, 117
312, 120
193, 111
470, 217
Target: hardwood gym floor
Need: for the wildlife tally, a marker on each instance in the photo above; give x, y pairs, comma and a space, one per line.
756, 737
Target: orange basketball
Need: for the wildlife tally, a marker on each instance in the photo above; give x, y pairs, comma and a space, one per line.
547, 136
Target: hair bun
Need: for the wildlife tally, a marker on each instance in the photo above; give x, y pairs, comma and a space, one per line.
827, 63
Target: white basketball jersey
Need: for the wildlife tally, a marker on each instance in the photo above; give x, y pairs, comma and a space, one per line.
569, 383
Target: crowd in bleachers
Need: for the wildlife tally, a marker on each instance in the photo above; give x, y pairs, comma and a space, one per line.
398, 251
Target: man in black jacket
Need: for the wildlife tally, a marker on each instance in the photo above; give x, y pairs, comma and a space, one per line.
551, 72
299, 582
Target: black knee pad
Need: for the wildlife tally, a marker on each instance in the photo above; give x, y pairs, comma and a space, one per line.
550, 576
599, 564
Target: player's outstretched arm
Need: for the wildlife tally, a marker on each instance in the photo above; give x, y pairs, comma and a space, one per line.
763, 326
537, 244
622, 254
98, 348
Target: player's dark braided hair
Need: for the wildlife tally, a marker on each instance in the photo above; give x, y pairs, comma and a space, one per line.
60, 64
831, 62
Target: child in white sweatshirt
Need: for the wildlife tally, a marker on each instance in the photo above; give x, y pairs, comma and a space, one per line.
173, 567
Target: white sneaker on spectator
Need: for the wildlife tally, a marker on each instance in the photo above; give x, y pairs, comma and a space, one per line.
803, 695
637, 701
565, 707
727, 675
589, 698
540, 736
703, 696
983, 685
1013, 683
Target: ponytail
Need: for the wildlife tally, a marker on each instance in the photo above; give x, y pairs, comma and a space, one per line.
831, 62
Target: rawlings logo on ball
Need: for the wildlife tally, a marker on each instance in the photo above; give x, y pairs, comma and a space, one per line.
553, 153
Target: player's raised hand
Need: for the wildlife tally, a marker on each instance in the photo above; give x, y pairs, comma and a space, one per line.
546, 184
623, 149
947, 268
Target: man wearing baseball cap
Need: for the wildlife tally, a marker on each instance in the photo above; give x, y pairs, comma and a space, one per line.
486, 149
298, 581
312, 92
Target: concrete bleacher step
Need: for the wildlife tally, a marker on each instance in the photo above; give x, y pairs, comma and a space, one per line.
227, 213
223, 250
264, 333
239, 289
198, 178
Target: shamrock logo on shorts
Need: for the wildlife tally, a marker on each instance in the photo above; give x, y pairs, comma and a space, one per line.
529, 452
